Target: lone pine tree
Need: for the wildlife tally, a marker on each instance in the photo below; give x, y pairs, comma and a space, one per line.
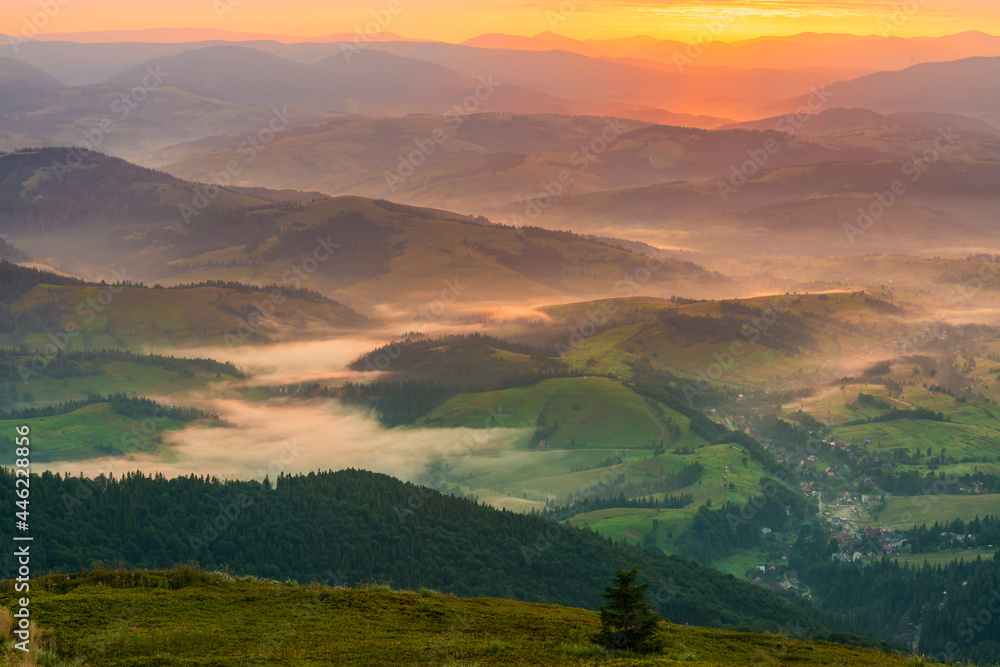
628, 621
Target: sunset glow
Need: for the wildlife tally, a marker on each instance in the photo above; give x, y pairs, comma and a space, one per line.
455, 20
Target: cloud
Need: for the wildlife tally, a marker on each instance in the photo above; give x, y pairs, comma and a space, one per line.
295, 436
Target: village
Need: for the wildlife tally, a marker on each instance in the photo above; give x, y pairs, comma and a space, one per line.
851, 516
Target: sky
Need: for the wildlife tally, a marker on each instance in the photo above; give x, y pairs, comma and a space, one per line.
456, 20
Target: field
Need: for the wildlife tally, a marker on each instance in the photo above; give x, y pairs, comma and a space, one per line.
905, 512
665, 525
945, 557
134, 378
183, 617
586, 413
598, 435
93, 431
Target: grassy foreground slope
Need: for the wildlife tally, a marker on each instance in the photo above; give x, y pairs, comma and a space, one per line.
367, 527
184, 617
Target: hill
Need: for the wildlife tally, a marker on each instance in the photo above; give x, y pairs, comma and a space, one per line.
484, 161
177, 232
17, 74
39, 187
809, 51
129, 315
823, 206
367, 528
369, 80
189, 617
895, 133
961, 86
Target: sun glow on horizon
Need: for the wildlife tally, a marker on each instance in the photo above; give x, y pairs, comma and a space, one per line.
457, 20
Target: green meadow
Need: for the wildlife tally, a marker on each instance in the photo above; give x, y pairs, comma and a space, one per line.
184, 617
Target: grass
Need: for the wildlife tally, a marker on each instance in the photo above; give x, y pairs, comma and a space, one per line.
134, 379
184, 617
945, 557
139, 318
593, 413
93, 431
634, 524
905, 512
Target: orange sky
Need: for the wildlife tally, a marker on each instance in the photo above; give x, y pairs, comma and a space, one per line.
455, 20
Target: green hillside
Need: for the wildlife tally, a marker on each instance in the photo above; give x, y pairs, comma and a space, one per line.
367, 527
130, 315
185, 617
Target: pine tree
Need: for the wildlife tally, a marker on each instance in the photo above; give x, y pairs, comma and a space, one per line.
628, 621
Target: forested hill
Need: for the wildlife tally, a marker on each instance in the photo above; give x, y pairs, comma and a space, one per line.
39, 186
366, 527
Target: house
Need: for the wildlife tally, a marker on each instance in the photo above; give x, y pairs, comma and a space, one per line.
832, 471
842, 538
856, 556
765, 530
541, 444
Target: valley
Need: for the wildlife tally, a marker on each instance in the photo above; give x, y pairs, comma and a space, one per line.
433, 338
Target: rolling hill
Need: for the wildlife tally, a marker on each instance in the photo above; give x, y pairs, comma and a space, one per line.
362, 527
807, 50
372, 81
38, 308
827, 206
961, 87
17, 74
187, 616
386, 253
491, 160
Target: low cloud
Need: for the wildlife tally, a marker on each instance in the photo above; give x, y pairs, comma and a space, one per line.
295, 436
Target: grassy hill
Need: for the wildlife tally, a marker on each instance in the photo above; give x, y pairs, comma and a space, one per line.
98, 430
129, 315
379, 253
654, 387
186, 617
75, 375
400, 256
40, 186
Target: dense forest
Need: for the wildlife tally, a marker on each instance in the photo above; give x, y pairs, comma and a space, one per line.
948, 610
96, 196
18, 280
366, 527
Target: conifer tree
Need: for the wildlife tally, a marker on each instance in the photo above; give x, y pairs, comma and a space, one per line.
628, 621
